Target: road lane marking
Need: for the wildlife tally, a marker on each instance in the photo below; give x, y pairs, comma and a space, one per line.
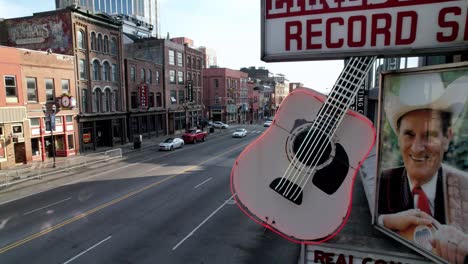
116, 200
206, 219
203, 183
47, 206
77, 256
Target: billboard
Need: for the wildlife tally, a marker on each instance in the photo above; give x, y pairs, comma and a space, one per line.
422, 170
45, 32
294, 30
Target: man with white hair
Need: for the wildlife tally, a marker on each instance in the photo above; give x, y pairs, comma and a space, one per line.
421, 112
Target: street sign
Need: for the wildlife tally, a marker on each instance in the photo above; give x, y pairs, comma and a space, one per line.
294, 30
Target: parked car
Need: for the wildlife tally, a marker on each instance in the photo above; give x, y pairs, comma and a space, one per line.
194, 135
219, 124
239, 132
171, 143
267, 123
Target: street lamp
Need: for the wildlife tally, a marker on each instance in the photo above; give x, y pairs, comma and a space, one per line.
49, 117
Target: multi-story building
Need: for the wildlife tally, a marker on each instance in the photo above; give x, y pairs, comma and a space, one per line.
146, 113
281, 89
34, 82
225, 94
211, 59
294, 85
95, 42
145, 11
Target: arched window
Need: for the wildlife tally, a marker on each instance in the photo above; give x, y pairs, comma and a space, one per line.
199, 64
149, 77
106, 44
93, 41
84, 101
97, 100
113, 46
142, 75
106, 71
81, 40
96, 70
99, 42
189, 62
107, 101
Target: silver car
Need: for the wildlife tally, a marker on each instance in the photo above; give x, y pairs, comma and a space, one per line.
219, 124
239, 132
171, 143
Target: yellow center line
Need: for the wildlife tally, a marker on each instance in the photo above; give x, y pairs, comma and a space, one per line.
94, 210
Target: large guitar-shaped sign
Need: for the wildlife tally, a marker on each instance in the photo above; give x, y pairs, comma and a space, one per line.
297, 178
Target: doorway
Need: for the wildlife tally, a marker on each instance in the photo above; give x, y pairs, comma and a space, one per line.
20, 153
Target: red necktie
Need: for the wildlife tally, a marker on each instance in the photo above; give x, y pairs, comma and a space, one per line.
423, 202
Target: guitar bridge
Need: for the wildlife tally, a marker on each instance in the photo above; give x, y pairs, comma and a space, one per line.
287, 189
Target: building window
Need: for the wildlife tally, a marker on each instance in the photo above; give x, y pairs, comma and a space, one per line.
93, 41
99, 42
32, 89
171, 57
173, 97
189, 62
189, 76
199, 66
181, 96
113, 47
157, 77
96, 70
66, 86
2, 148
10, 86
106, 44
49, 84
172, 76
81, 40
134, 100
151, 100
97, 97
180, 77
115, 73
158, 100
107, 100
180, 61
216, 83
106, 71
114, 101
84, 101
149, 77
69, 118
132, 74
35, 122
142, 75
199, 80
82, 69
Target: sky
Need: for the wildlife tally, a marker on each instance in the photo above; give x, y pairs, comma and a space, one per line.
230, 27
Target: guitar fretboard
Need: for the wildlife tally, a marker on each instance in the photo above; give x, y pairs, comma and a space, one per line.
341, 96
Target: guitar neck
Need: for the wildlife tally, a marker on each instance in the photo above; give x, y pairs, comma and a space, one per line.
341, 96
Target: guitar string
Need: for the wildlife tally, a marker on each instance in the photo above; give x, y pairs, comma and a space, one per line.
301, 150
343, 89
361, 73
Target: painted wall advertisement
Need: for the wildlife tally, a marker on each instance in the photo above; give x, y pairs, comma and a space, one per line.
422, 173
41, 33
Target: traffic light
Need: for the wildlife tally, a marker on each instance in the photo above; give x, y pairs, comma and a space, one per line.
189, 88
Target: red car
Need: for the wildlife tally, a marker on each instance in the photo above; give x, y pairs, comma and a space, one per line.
194, 135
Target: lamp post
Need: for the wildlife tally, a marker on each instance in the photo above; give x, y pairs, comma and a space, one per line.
49, 117
185, 105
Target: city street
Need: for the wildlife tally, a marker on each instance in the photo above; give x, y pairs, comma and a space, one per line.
153, 207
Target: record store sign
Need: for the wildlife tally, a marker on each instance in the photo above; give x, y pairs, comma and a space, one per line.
294, 30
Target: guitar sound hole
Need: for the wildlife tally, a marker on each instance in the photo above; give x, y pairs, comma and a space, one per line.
318, 140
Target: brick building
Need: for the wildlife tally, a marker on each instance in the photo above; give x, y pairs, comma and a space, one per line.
35, 81
95, 42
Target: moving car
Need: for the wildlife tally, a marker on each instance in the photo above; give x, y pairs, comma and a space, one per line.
239, 132
171, 143
219, 124
267, 123
194, 135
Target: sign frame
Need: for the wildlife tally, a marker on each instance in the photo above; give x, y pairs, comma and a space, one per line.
340, 53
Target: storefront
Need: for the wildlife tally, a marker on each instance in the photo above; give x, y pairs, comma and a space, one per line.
14, 143
150, 124
102, 132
